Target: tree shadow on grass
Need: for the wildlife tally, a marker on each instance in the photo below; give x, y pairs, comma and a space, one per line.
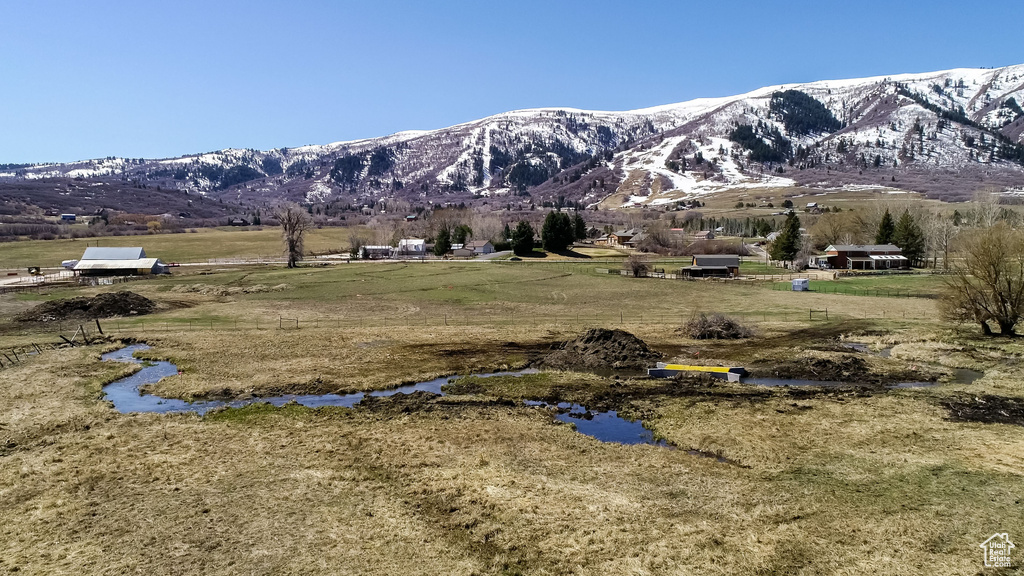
538, 254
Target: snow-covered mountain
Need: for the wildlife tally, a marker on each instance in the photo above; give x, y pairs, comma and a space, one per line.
943, 133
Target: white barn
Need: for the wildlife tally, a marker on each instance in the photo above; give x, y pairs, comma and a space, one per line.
98, 261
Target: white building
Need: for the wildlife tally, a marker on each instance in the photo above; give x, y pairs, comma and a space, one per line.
411, 248
118, 262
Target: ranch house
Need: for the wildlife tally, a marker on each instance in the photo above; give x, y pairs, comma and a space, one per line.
861, 257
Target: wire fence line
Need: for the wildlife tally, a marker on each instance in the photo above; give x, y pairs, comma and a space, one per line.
855, 291
136, 326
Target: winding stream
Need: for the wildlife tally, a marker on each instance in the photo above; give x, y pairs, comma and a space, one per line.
126, 397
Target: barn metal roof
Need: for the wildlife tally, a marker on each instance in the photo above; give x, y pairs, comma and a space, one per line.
136, 264
863, 248
103, 253
707, 260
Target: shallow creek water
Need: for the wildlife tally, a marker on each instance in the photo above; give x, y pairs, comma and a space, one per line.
126, 397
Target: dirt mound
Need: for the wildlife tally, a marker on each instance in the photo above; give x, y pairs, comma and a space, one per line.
211, 290
600, 348
107, 305
846, 368
841, 369
987, 409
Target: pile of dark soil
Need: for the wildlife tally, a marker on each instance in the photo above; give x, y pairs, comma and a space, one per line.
987, 409
846, 368
106, 305
843, 369
600, 348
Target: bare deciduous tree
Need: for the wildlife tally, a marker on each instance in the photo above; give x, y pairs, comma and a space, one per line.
987, 284
985, 212
355, 245
295, 221
639, 265
833, 228
939, 231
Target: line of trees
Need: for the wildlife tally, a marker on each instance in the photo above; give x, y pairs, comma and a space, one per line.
560, 230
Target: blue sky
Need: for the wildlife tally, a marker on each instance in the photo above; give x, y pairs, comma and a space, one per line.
145, 79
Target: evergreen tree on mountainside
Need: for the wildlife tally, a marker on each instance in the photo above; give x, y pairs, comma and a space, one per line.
787, 245
382, 160
558, 232
909, 237
886, 229
765, 143
346, 170
522, 239
801, 114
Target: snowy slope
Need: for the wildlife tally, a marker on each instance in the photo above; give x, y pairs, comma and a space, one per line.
960, 121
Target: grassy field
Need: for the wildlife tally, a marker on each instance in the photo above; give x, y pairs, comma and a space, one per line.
204, 244
750, 266
869, 481
723, 204
919, 285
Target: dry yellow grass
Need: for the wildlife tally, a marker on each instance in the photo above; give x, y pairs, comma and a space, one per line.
477, 483
884, 484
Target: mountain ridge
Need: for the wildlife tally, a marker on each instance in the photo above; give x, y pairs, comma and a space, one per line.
942, 133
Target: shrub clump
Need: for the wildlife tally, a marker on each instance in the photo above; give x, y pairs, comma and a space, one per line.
715, 327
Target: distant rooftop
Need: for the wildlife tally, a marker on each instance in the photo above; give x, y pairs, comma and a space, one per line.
702, 260
98, 253
865, 247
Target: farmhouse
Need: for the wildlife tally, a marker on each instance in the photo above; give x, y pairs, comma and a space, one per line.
480, 247
621, 237
861, 257
635, 240
118, 262
713, 265
704, 235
